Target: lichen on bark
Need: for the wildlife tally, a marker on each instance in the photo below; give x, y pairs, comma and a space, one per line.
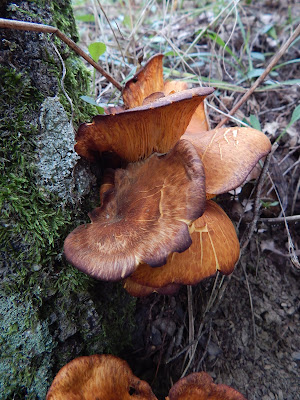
40, 292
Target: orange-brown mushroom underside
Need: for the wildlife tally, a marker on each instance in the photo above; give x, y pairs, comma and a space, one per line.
104, 377
143, 218
200, 386
136, 133
215, 248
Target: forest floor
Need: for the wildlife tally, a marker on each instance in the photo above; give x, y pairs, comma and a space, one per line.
246, 327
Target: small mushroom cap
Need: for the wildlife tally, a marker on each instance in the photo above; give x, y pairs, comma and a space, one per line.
144, 218
98, 377
199, 122
215, 248
229, 155
137, 290
174, 86
148, 80
200, 386
137, 133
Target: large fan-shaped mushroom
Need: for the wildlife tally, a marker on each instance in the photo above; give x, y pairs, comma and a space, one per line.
228, 155
144, 218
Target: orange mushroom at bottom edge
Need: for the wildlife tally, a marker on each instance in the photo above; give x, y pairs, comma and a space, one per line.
103, 377
200, 386
215, 247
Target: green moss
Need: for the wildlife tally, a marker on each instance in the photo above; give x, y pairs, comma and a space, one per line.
77, 78
58, 306
31, 222
64, 20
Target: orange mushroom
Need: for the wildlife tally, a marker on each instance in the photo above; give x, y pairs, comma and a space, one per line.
228, 155
144, 216
103, 377
200, 386
135, 225
137, 290
215, 247
149, 81
136, 133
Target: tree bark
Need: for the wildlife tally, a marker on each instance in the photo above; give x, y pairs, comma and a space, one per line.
50, 312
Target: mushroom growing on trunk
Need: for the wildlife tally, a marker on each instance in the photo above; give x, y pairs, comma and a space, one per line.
154, 213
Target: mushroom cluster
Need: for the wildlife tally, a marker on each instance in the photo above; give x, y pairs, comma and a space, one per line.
156, 227
108, 377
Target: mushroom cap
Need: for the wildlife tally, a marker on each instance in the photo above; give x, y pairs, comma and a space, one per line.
199, 121
148, 80
137, 290
215, 248
200, 386
98, 377
143, 218
228, 155
137, 133
174, 87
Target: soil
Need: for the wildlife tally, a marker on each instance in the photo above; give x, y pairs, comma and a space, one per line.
249, 341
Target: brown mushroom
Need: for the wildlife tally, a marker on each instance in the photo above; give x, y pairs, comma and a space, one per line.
136, 133
215, 248
228, 155
144, 218
200, 386
131, 229
148, 80
103, 377
137, 290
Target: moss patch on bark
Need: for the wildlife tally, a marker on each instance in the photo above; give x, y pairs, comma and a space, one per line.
64, 312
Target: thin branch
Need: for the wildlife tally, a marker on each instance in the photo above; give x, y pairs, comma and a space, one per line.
29, 26
289, 218
268, 69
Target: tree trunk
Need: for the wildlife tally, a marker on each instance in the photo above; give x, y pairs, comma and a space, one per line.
50, 312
